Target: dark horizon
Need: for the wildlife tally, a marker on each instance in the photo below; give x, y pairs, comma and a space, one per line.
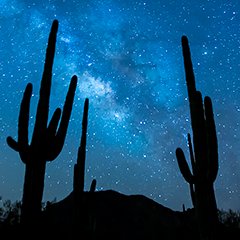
127, 56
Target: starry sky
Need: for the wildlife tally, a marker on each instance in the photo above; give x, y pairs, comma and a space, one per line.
128, 59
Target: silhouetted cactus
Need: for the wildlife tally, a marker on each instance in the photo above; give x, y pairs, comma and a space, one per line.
83, 207
204, 155
47, 139
79, 167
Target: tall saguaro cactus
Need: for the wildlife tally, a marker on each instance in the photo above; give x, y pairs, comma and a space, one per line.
203, 153
79, 167
47, 139
83, 205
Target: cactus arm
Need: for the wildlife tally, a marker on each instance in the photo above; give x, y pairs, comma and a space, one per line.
22, 145
67, 108
23, 124
212, 140
183, 166
12, 144
24, 116
59, 137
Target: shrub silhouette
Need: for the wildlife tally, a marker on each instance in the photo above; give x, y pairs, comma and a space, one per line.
203, 153
47, 139
230, 218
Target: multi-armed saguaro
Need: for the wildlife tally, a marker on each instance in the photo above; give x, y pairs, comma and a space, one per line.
203, 153
47, 139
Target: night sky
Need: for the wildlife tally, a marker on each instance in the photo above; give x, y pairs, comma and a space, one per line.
128, 59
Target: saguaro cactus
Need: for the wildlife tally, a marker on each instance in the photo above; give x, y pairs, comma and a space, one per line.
47, 139
203, 153
79, 167
83, 205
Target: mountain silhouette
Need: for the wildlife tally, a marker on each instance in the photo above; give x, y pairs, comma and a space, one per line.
112, 215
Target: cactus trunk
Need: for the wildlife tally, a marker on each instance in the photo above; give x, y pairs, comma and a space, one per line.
206, 209
33, 191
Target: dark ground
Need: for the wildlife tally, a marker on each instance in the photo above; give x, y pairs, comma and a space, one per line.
111, 215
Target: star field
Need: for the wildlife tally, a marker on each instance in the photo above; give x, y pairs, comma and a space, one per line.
128, 59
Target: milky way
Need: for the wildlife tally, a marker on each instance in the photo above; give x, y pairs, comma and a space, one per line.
128, 59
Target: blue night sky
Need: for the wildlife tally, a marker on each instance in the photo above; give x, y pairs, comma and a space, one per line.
128, 59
